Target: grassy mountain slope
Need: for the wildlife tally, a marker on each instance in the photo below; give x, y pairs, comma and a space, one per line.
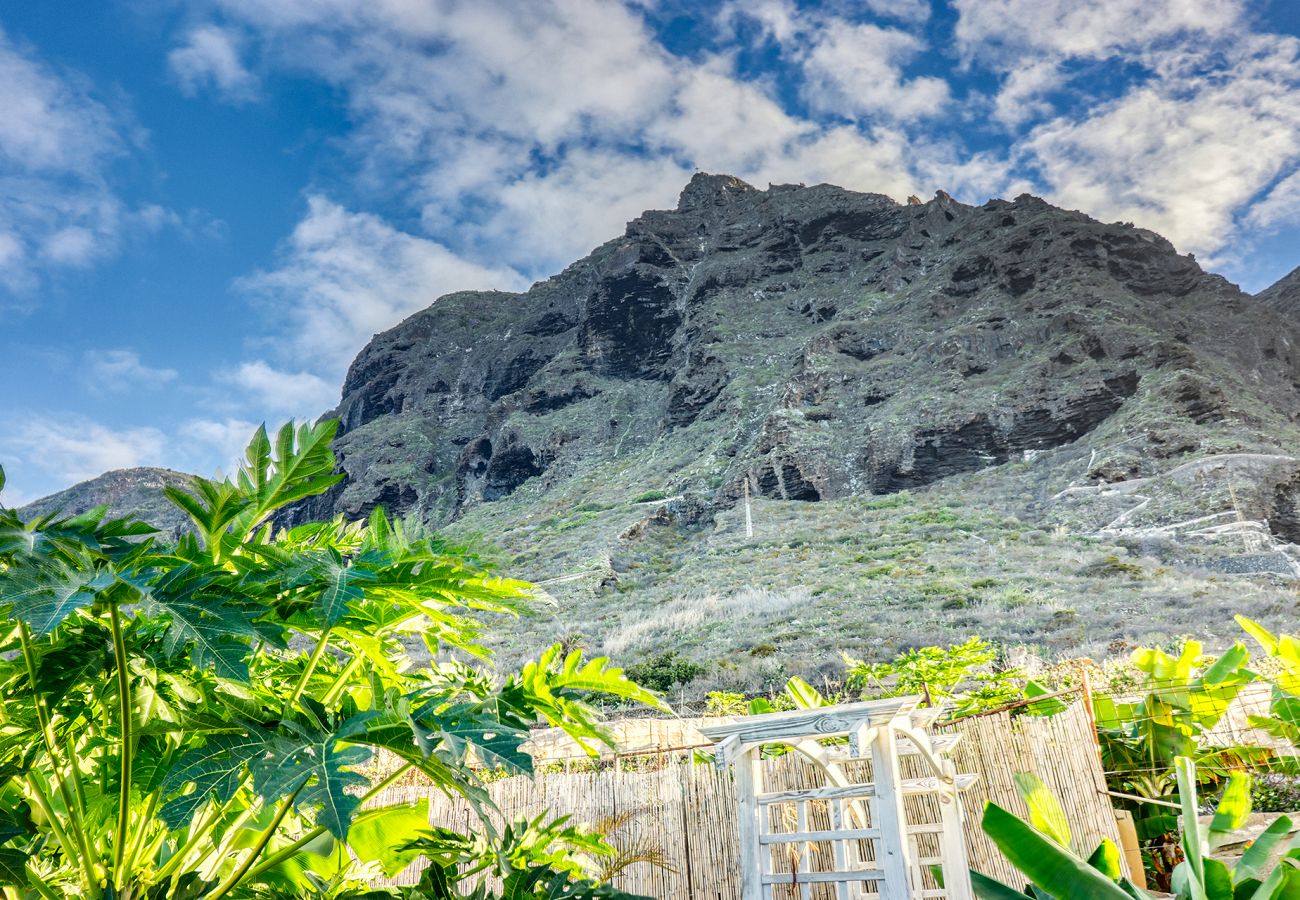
1008, 419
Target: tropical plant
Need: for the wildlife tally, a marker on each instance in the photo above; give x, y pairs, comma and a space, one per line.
1040, 849
1283, 719
539, 857
215, 717
1177, 701
965, 676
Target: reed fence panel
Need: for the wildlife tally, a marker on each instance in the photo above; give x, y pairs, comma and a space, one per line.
686, 810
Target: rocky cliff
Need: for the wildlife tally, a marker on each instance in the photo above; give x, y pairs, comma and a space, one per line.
820, 343
1284, 295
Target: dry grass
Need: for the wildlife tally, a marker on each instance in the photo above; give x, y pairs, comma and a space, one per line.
660, 626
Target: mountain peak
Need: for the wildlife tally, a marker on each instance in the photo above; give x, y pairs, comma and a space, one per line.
137, 491
1284, 294
704, 190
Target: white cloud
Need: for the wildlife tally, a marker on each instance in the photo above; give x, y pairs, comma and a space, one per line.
529, 133
1280, 206
1183, 156
858, 70
299, 395
903, 10
67, 449
56, 142
50, 124
210, 58
1084, 28
1021, 97
210, 446
525, 134
343, 276
115, 371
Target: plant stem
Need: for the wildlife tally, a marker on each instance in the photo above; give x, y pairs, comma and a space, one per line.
220, 847
263, 839
125, 713
41, 888
57, 763
285, 852
342, 681
205, 825
321, 646
138, 839
43, 801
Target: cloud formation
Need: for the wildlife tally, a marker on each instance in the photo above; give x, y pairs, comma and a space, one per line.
342, 277
209, 57
56, 142
65, 449
118, 371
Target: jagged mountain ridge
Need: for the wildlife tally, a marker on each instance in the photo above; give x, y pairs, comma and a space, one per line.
845, 343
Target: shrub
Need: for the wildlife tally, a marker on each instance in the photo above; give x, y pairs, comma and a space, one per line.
665, 671
964, 675
650, 496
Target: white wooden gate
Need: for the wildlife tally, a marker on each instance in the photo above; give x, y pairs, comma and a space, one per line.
852, 838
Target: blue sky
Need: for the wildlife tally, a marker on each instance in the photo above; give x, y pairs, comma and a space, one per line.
207, 208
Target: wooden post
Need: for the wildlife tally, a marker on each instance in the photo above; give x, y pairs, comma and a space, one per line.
894, 850
953, 841
749, 781
749, 517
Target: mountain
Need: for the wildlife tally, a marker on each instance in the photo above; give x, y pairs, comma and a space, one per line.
1284, 295
136, 492
822, 342
768, 425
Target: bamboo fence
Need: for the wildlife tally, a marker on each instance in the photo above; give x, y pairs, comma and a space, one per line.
686, 810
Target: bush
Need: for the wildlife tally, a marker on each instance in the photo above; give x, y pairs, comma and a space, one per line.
665, 671
650, 496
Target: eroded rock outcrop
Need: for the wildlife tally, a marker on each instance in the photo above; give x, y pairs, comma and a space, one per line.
815, 341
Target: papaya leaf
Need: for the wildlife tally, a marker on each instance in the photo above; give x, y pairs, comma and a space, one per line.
13, 868
315, 767
207, 620
216, 769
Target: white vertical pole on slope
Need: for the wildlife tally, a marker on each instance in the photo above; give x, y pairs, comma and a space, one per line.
749, 516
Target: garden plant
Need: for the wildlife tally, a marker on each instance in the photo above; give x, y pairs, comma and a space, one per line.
214, 717
1041, 849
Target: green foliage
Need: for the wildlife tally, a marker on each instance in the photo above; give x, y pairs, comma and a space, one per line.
1177, 700
1041, 852
197, 720
650, 496
1275, 792
1283, 720
963, 675
664, 672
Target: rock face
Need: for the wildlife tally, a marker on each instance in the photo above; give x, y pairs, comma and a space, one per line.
137, 492
818, 342
1284, 295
